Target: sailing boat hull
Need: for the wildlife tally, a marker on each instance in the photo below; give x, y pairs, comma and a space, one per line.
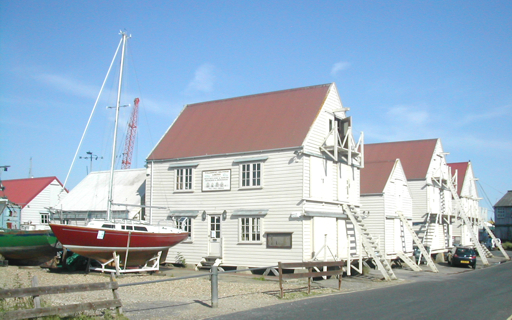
27, 247
100, 244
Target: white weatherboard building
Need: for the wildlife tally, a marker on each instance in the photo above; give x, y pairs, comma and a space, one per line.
259, 179
385, 193
427, 174
465, 181
34, 196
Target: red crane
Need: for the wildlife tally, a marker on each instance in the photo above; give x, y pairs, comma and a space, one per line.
130, 136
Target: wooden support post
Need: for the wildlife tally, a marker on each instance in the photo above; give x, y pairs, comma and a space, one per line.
310, 270
280, 279
37, 300
115, 293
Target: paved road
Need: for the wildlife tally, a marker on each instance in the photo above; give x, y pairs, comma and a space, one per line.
472, 294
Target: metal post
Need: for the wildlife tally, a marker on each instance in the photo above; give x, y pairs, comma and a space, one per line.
215, 287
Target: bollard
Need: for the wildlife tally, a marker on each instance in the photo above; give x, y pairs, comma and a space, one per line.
215, 287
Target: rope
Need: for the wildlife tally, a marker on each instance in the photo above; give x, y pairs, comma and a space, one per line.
90, 117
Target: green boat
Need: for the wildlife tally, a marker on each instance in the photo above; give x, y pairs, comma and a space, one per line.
27, 247
24, 244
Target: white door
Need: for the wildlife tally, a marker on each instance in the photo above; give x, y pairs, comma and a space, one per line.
214, 238
324, 238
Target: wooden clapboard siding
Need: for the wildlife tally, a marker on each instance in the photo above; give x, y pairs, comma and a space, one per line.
376, 220
282, 190
418, 190
48, 197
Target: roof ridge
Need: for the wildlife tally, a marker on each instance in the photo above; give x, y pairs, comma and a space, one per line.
258, 94
404, 141
38, 178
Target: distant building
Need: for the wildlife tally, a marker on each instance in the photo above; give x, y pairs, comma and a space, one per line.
35, 196
88, 200
503, 216
260, 179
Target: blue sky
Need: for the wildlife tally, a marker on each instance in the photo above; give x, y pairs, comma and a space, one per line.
407, 70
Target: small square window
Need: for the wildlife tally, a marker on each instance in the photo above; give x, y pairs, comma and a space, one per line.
45, 218
184, 179
251, 175
250, 229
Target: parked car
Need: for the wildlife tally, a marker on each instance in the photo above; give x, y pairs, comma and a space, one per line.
462, 256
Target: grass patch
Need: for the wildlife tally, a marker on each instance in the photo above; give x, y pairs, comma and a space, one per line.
507, 245
260, 278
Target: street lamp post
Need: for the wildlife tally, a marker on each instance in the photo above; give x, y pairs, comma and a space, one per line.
91, 157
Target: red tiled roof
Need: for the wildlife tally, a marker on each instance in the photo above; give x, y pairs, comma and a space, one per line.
266, 121
415, 156
22, 191
461, 168
375, 175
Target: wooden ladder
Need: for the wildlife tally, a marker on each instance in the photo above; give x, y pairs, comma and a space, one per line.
498, 242
408, 261
370, 245
418, 243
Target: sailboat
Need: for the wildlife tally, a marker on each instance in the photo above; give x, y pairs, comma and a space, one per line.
130, 242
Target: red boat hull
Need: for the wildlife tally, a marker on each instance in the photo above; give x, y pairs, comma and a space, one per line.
100, 244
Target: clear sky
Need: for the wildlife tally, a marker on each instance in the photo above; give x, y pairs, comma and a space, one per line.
407, 70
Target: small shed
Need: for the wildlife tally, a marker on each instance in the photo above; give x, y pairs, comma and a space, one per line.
88, 200
384, 193
34, 196
427, 175
465, 182
503, 216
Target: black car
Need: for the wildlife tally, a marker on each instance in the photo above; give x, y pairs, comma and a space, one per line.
462, 256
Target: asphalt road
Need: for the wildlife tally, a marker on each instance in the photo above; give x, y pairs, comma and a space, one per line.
472, 294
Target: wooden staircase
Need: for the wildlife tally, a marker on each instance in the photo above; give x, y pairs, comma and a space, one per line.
208, 262
418, 243
369, 244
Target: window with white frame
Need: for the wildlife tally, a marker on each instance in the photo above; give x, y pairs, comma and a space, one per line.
45, 217
183, 179
185, 224
251, 175
250, 229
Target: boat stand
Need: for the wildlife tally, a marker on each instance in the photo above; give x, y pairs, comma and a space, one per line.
151, 265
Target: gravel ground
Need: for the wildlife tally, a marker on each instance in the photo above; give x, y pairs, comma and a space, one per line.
186, 298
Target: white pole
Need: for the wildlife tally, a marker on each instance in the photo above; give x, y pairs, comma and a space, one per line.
114, 144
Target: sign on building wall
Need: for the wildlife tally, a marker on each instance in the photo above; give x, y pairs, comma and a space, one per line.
217, 180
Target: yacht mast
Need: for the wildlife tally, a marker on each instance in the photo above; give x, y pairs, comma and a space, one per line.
114, 144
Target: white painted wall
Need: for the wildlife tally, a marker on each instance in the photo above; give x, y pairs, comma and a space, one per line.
48, 197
